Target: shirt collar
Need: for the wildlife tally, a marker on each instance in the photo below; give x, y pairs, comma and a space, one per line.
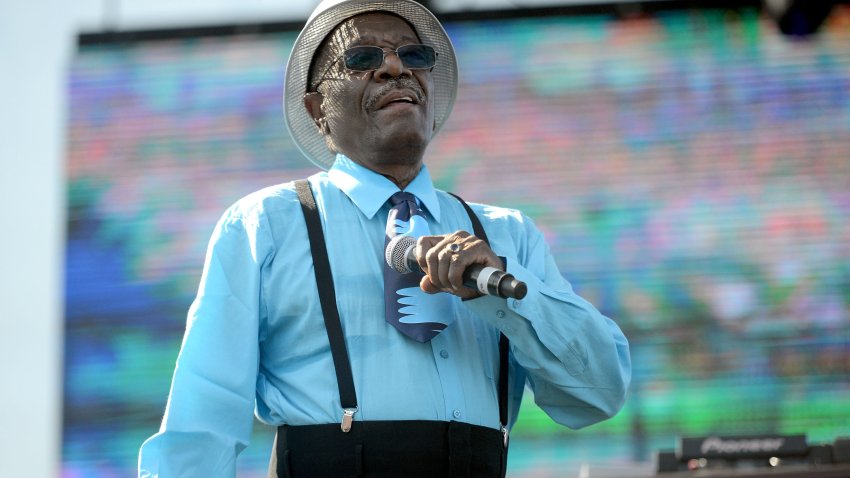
369, 190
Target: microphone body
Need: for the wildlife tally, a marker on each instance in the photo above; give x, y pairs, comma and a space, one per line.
400, 256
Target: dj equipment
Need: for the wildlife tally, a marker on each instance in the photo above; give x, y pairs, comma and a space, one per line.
755, 456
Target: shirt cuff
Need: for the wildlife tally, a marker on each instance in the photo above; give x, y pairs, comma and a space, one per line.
508, 315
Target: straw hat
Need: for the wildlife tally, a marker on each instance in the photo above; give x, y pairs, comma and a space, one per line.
322, 21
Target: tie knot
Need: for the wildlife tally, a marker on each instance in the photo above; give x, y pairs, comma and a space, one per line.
401, 197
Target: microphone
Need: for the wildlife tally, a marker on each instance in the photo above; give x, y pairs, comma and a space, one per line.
400, 256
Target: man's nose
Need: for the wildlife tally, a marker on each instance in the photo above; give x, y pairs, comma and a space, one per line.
392, 67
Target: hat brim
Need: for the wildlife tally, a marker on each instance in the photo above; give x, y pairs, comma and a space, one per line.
324, 19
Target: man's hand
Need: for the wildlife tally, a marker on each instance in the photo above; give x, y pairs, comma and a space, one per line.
444, 258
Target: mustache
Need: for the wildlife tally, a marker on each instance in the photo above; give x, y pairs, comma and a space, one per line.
395, 84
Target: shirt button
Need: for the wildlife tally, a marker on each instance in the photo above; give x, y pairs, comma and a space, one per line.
500, 313
517, 303
456, 413
444, 353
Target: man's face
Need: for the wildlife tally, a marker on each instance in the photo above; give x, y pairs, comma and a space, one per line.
378, 118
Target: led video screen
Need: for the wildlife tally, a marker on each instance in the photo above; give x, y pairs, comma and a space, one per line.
689, 169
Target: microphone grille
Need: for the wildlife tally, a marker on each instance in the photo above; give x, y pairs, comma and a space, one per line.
396, 253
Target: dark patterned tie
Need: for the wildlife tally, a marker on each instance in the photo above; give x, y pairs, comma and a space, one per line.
408, 309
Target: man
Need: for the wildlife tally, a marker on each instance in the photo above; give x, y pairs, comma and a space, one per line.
417, 394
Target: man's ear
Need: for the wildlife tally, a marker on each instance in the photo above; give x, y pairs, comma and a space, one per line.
313, 103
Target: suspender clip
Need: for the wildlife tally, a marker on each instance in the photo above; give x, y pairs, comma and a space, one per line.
347, 418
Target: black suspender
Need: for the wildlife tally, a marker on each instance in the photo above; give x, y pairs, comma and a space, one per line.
504, 344
327, 297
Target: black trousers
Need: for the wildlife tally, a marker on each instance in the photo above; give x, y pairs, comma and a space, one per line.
389, 449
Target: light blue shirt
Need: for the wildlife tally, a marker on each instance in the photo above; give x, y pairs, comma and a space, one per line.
256, 342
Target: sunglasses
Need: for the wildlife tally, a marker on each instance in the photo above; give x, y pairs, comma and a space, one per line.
367, 58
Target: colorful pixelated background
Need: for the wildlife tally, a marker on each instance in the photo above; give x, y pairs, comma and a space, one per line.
691, 171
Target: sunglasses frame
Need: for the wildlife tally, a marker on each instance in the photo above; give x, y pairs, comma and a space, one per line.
384, 52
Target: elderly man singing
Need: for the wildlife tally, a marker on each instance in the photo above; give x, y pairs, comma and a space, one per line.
386, 328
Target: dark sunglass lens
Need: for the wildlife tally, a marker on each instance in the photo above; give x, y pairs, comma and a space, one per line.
363, 58
417, 56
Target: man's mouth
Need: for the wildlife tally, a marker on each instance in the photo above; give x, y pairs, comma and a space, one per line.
397, 93
397, 97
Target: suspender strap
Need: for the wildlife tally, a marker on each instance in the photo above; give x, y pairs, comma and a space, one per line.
504, 344
327, 297
477, 228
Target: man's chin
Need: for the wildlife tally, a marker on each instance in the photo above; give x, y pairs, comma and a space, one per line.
403, 133
405, 144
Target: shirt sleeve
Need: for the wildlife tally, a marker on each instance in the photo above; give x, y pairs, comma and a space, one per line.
209, 416
576, 360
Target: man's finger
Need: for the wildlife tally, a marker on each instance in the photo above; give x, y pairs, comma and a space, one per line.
427, 286
423, 245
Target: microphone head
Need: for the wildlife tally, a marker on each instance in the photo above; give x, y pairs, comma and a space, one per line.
396, 253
